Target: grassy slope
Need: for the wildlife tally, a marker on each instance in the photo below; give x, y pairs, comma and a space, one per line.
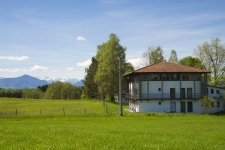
100, 131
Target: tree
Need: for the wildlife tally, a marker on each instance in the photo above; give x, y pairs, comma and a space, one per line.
152, 55
191, 61
212, 56
107, 75
61, 90
90, 86
173, 57
207, 104
128, 67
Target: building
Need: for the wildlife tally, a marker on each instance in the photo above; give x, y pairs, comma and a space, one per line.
169, 87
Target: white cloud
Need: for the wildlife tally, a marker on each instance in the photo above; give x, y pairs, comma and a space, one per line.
84, 64
12, 70
54, 71
70, 69
37, 67
80, 38
16, 58
34, 68
136, 63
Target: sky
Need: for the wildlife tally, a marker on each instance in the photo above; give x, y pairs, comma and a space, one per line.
58, 38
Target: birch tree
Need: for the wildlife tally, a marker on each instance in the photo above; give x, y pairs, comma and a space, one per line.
107, 75
212, 56
152, 55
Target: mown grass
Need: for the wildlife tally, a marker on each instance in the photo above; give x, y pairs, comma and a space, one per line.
101, 131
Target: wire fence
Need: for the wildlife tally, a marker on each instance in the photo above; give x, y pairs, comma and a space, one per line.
107, 109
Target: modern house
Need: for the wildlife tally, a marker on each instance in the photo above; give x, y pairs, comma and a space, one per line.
169, 87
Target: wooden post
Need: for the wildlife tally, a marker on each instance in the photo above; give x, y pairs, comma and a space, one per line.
63, 111
106, 108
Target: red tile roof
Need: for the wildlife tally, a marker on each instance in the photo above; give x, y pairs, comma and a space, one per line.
168, 67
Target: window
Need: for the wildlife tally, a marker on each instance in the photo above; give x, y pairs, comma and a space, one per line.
212, 91
164, 76
218, 104
168, 77
155, 76
159, 103
152, 76
217, 91
159, 89
175, 76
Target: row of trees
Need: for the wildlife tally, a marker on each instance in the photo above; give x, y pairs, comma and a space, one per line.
209, 56
57, 90
101, 79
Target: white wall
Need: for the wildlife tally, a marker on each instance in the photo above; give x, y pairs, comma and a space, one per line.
153, 106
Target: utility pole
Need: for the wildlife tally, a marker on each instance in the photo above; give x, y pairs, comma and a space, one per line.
120, 89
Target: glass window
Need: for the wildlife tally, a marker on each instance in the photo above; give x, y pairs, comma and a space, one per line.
152, 77
217, 91
218, 104
212, 91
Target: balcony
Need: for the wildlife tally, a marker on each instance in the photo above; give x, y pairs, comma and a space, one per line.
164, 96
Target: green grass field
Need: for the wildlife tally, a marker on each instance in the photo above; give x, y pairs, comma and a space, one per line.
98, 130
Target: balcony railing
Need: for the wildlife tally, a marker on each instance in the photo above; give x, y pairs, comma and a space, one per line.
163, 96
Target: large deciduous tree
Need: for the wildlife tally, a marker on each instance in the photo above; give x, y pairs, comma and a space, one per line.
212, 56
107, 75
173, 57
152, 55
192, 62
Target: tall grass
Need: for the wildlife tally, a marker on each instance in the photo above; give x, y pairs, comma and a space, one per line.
21, 107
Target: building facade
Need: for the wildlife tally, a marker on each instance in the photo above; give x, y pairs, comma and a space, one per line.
168, 87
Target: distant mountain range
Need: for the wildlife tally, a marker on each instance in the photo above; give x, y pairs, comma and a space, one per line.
27, 81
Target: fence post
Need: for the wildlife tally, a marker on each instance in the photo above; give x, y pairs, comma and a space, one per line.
63, 111
106, 108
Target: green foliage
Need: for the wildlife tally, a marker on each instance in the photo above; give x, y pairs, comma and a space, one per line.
90, 87
219, 81
107, 76
152, 55
84, 96
212, 56
59, 90
11, 93
207, 104
192, 62
173, 57
31, 93
128, 67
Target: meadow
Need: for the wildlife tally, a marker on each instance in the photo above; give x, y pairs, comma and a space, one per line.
100, 129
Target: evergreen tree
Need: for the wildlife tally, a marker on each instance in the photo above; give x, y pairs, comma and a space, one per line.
90, 87
173, 57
